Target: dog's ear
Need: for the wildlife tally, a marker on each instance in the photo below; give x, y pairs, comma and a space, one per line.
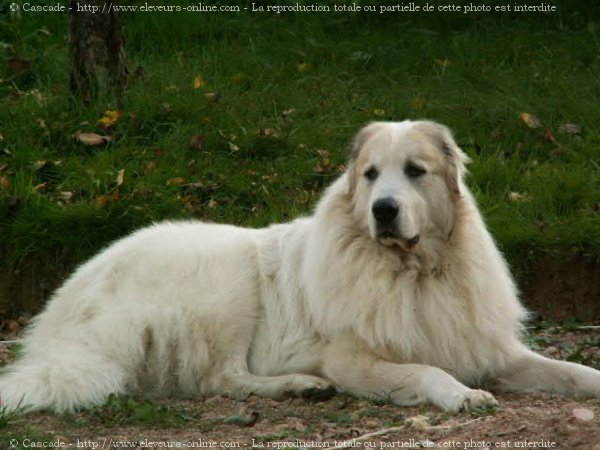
456, 159
355, 147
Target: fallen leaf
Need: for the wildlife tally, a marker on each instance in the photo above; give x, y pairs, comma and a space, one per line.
233, 147
66, 196
40, 187
92, 138
110, 117
5, 182
518, 197
120, 177
39, 164
45, 31
167, 107
288, 112
267, 132
213, 96
303, 67
104, 200
549, 136
199, 82
197, 142
212, 204
530, 120
176, 181
570, 128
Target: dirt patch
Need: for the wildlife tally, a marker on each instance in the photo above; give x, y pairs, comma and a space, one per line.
563, 288
520, 419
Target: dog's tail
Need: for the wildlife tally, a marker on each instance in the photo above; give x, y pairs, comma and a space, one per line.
60, 381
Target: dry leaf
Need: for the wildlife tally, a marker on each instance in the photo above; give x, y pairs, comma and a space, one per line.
120, 177
303, 67
104, 200
213, 96
530, 120
176, 181
66, 196
199, 82
110, 118
570, 128
92, 138
233, 147
267, 132
5, 182
197, 142
519, 197
39, 165
212, 204
549, 136
40, 187
288, 112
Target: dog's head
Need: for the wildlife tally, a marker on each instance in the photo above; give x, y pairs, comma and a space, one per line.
405, 178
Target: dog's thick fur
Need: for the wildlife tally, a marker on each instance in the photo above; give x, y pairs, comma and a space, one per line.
419, 309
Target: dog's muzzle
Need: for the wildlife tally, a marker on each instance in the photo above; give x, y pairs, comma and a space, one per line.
385, 211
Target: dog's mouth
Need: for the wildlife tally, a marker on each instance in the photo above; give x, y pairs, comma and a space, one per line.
390, 238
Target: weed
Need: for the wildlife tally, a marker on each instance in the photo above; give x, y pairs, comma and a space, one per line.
120, 410
488, 410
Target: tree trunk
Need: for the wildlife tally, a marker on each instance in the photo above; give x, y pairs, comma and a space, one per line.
96, 39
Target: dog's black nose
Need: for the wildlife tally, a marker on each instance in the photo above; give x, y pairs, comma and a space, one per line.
385, 210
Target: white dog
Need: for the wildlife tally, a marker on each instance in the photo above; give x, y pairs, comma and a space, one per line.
393, 288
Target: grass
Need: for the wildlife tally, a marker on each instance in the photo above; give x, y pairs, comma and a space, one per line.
285, 94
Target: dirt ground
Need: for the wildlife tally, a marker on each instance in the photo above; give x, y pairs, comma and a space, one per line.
520, 421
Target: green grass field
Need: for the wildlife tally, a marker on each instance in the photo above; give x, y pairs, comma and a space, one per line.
245, 117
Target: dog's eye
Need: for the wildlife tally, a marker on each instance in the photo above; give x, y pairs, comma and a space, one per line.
371, 174
414, 171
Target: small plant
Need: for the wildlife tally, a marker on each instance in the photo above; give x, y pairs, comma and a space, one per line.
127, 410
8, 415
488, 410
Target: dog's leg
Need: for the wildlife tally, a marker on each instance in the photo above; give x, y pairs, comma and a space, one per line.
532, 372
357, 370
232, 378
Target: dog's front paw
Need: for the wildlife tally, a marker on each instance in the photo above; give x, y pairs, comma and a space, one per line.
467, 400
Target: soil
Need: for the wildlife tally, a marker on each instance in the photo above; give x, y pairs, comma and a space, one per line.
520, 421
